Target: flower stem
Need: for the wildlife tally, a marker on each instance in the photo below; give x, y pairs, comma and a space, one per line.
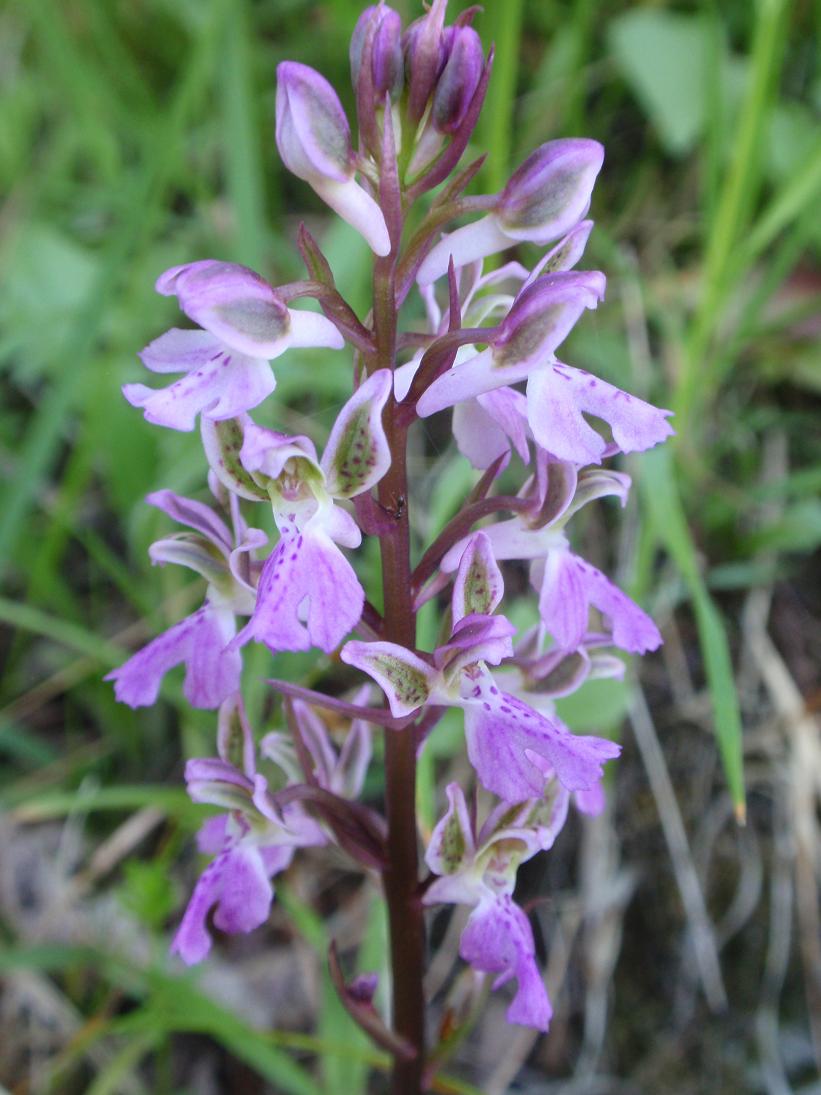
401, 877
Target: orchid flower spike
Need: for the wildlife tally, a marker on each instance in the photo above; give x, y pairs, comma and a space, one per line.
244, 325
314, 141
543, 200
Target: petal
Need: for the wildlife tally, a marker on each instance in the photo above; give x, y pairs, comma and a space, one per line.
632, 628
558, 394
358, 454
180, 351
502, 731
222, 388
195, 515
557, 422
636, 425
212, 671
508, 408
404, 678
357, 207
592, 801
467, 244
313, 329
566, 253
211, 835
314, 734
479, 374
192, 940
268, 451
498, 939
551, 190
233, 303
543, 315
479, 586
305, 568
477, 435
198, 640
564, 603
451, 843
245, 898
354, 758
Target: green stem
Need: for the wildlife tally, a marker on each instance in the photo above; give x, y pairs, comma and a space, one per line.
401, 877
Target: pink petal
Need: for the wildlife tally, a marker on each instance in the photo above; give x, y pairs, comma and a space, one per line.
212, 673
222, 388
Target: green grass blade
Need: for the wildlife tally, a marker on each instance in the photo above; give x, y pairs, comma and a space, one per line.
661, 498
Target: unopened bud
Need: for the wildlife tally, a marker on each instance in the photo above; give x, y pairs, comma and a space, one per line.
459, 80
377, 42
425, 56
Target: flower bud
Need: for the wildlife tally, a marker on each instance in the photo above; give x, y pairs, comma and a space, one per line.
551, 191
425, 56
377, 42
459, 80
314, 141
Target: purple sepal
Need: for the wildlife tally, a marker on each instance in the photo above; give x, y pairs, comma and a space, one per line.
312, 131
498, 939
314, 141
376, 45
233, 303
199, 641
424, 47
550, 192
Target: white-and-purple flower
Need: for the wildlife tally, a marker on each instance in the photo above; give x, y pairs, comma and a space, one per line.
201, 640
309, 594
256, 839
510, 744
243, 326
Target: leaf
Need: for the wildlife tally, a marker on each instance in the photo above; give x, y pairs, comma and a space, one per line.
663, 57
661, 498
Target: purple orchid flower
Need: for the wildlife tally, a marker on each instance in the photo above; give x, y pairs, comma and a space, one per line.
558, 396
568, 585
544, 199
314, 141
200, 641
308, 592
244, 325
510, 745
479, 870
256, 839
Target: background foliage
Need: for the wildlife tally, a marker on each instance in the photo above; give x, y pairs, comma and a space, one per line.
682, 950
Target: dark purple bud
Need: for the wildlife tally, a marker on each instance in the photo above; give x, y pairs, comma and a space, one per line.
551, 191
424, 45
377, 41
459, 79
